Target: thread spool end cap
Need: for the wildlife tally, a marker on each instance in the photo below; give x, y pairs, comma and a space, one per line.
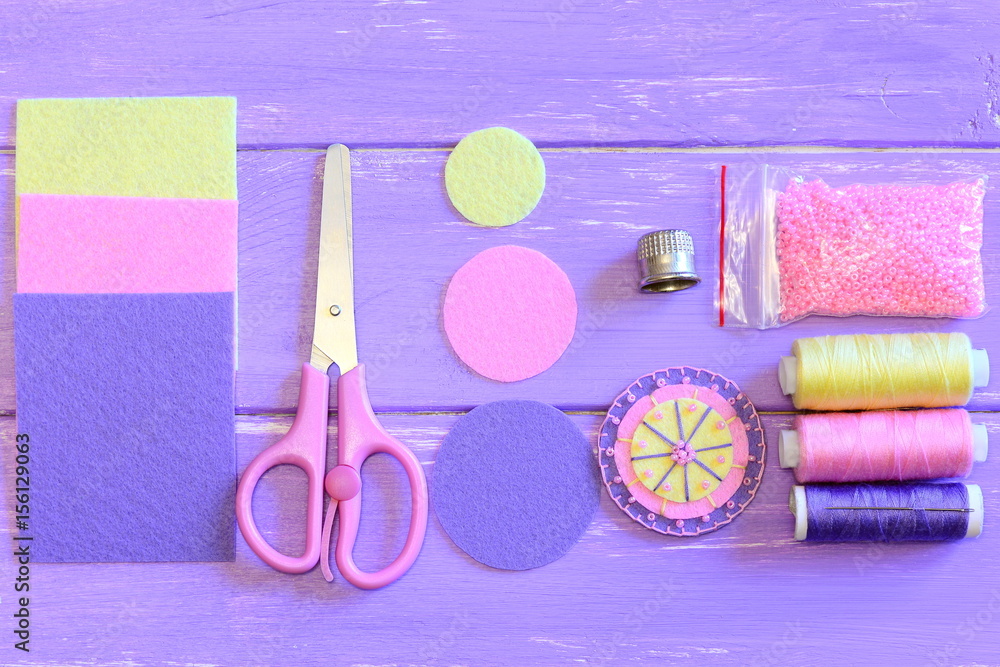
980, 442
976, 515
980, 368
788, 448
788, 370
797, 504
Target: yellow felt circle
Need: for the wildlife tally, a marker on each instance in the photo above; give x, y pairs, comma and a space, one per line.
671, 424
495, 177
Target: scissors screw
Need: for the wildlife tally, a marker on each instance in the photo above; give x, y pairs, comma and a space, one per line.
335, 310
342, 482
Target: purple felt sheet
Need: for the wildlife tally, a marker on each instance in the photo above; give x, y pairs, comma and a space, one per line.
128, 403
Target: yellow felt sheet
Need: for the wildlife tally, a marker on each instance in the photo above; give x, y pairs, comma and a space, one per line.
127, 146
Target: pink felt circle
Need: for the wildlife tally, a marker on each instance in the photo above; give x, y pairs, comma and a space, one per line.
510, 313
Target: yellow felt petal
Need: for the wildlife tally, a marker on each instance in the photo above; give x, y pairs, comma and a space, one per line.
495, 177
128, 146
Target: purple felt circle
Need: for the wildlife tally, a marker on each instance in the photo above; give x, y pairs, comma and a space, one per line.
509, 313
514, 484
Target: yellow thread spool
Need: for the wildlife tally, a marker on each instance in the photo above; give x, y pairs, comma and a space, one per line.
877, 372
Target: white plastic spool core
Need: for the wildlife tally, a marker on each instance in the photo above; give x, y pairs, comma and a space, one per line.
976, 515
798, 505
788, 448
980, 442
980, 368
788, 369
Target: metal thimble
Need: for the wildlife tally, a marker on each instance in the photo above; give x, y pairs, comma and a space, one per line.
666, 261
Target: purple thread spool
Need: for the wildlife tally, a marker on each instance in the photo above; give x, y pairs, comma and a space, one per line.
886, 512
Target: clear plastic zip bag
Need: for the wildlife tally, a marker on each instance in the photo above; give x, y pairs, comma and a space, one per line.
793, 246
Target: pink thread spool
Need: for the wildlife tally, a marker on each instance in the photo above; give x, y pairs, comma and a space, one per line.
892, 445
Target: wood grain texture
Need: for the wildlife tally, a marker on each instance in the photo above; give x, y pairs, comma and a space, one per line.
409, 242
563, 72
747, 594
393, 79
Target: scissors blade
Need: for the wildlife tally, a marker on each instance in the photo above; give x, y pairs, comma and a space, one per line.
334, 337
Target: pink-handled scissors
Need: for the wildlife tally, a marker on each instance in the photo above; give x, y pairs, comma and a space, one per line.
359, 434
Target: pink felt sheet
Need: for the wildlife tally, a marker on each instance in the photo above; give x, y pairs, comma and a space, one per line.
87, 244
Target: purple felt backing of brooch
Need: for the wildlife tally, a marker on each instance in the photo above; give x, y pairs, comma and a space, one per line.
127, 400
514, 484
650, 517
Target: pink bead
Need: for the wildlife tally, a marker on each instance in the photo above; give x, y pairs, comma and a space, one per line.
885, 250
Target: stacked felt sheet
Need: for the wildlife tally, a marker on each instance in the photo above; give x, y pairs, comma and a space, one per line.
124, 326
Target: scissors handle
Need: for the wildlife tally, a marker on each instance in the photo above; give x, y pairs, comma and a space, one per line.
304, 446
359, 435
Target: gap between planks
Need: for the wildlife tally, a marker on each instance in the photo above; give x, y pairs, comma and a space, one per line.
459, 413
724, 150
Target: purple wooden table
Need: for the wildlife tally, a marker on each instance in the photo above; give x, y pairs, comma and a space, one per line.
634, 107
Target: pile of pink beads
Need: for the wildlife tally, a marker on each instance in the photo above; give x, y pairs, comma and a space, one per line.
881, 249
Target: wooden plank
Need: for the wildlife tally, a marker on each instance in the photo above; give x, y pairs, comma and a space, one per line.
564, 72
747, 594
409, 241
